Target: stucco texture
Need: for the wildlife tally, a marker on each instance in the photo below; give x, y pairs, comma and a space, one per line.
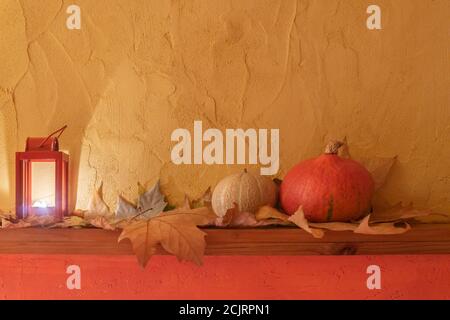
138, 69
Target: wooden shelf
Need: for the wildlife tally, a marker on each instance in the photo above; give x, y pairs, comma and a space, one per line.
422, 239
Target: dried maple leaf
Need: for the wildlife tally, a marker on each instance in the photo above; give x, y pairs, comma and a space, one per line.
176, 231
299, 219
150, 203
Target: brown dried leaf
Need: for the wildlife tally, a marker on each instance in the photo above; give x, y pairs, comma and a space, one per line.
398, 212
245, 219
380, 228
335, 226
226, 220
434, 217
30, 221
299, 219
102, 223
71, 222
203, 201
267, 212
379, 168
7, 224
176, 231
237, 219
97, 206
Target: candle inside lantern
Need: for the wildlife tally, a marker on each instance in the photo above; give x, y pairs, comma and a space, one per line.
40, 204
42, 187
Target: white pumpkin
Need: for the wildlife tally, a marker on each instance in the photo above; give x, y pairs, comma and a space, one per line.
248, 191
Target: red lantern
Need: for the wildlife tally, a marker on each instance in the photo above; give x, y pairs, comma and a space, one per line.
42, 178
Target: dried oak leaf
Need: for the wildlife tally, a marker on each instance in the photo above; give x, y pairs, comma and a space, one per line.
176, 231
335, 226
267, 212
379, 168
298, 218
399, 212
380, 228
242, 219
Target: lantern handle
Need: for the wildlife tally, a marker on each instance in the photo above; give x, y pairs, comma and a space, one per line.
60, 131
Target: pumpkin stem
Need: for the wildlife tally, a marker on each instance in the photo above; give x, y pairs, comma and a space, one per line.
333, 147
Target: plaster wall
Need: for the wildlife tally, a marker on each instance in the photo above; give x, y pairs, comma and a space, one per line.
139, 69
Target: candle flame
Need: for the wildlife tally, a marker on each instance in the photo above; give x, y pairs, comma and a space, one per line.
40, 204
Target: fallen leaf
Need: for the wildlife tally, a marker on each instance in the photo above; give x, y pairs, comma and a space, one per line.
245, 219
398, 212
125, 209
379, 168
150, 204
267, 212
386, 228
30, 221
97, 206
7, 216
102, 223
335, 226
203, 201
238, 219
434, 217
70, 222
228, 217
298, 218
176, 231
7, 224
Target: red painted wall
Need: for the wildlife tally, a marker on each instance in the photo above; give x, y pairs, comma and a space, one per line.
120, 277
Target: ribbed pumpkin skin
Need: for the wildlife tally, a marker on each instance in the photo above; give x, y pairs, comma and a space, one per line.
248, 191
329, 188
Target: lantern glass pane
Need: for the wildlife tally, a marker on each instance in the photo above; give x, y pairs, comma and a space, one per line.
43, 184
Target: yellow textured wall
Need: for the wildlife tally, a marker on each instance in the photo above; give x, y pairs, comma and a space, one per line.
137, 70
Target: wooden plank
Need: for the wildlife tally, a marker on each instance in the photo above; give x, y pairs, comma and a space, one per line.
422, 239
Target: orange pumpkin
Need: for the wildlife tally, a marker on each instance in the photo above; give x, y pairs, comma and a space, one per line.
329, 188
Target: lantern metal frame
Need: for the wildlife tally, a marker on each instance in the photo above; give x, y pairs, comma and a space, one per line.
42, 150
